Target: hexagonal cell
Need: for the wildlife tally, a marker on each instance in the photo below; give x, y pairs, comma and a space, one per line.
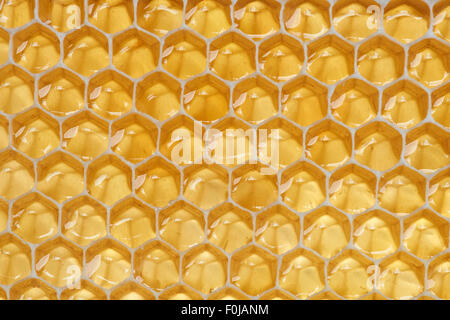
132, 222
205, 186
3, 215
16, 90
160, 16
230, 227
401, 277
182, 225
36, 48
254, 186
253, 270
255, 99
441, 13
156, 265
276, 294
110, 16
380, 60
354, 102
258, 19
438, 193
134, 138
209, 18
109, 179
352, 189
16, 174
326, 231
159, 96
157, 182
205, 268
427, 148
180, 292
110, 95
4, 46
328, 144
438, 272
61, 92
32, 289
35, 133
181, 141
34, 218
378, 146
406, 20
83, 220
325, 295
428, 62
85, 136
108, 263
86, 51
85, 291
135, 53
425, 234
60, 177
304, 101
229, 51
59, 262
356, 20
280, 58
278, 229
349, 274
440, 109
184, 54
306, 19
206, 98
4, 132
330, 59
302, 187
15, 259
131, 291
376, 234
16, 13
62, 15
405, 104
228, 294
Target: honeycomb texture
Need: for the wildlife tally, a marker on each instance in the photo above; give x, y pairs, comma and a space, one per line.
93, 206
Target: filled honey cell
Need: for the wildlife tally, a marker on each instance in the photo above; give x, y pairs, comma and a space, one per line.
207, 17
257, 19
16, 90
160, 16
62, 15
438, 273
439, 193
110, 16
4, 133
32, 289
4, 46
131, 291
16, 13
441, 25
3, 215
440, 105
16, 175
15, 259
83, 290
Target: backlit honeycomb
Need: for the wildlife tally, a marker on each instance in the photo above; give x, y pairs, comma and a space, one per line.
94, 205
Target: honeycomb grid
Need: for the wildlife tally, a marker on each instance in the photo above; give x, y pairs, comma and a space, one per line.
358, 207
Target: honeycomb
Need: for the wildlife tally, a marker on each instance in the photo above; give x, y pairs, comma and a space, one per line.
97, 95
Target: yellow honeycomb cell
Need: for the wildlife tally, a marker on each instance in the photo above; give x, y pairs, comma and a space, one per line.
228, 294
16, 90
440, 105
257, 19
352, 189
326, 231
232, 56
4, 132
36, 48
404, 104
132, 222
182, 225
59, 262
180, 292
160, 16
108, 263
306, 19
157, 265
15, 259
85, 136
441, 27
16, 13
62, 15
34, 218
61, 92
304, 101
135, 53
229, 227
35, 133
207, 17
253, 270
32, 289
376, 234
159, 96
83, 220
131, 291
84, 290
3, 215
401, 277
439, 193
438, 275
205, 268
16, 174
4, 46
302, 273
110, 15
